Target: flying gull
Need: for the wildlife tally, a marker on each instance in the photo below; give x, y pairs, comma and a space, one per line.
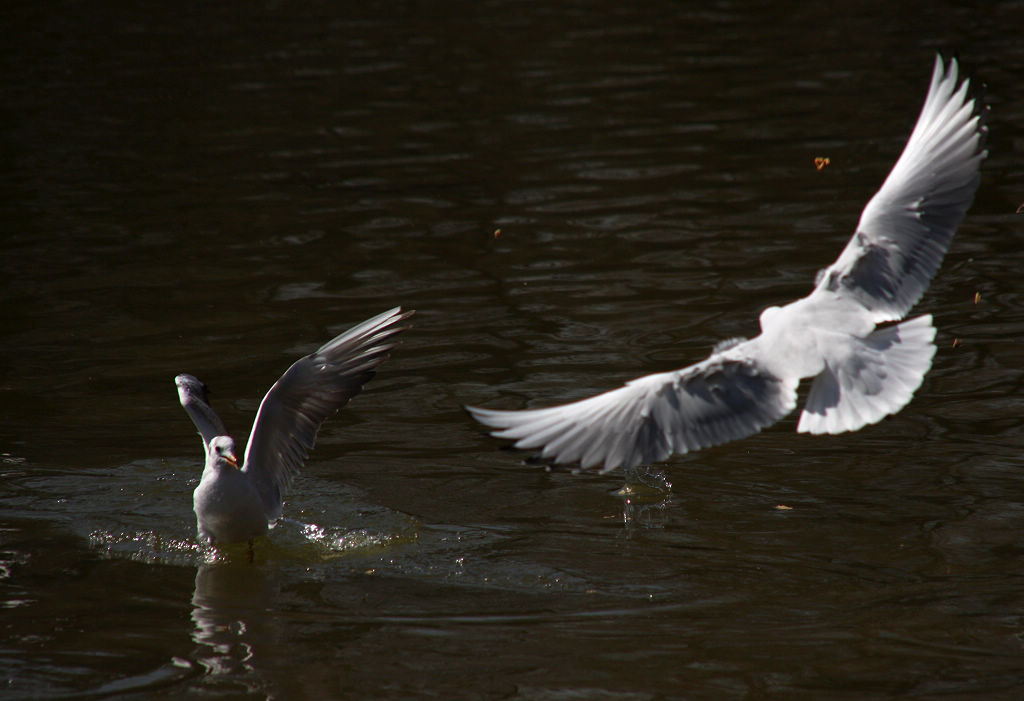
862, 372
235, 504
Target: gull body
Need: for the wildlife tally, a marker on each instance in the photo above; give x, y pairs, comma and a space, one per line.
236, 503
229, 508
861, 371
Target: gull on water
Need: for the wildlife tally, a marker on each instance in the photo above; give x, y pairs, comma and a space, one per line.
862, 372
235, 504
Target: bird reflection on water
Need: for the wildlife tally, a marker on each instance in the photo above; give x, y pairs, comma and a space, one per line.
230, 606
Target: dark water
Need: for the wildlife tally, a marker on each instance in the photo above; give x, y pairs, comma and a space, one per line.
217, 189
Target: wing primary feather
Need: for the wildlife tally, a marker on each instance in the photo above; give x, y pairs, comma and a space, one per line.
311, 390
194, 397
906, 227
651, 417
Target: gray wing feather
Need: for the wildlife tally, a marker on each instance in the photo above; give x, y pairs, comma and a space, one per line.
907, 226
312, 389
719, 400
194, 397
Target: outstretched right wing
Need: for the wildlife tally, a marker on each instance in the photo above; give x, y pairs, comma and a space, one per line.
724, 398
194, 397
907, 226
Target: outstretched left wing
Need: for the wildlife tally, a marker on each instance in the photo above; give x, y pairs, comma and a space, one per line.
724, 398
312, 389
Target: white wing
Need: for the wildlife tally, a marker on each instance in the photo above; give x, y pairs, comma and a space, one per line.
907, 226
726, 397
194, 397
312, 389
874, 377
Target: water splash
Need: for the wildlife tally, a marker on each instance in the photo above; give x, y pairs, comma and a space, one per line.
289, 540
645, 497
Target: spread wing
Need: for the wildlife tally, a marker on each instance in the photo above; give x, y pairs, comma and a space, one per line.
312, 389
907, 226
724, 398
194, 397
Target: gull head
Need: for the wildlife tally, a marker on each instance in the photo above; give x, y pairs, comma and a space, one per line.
222, 451
767, 316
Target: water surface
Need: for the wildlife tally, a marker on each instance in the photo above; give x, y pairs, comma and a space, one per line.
219, 190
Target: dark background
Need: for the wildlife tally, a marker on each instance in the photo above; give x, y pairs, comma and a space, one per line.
218, 188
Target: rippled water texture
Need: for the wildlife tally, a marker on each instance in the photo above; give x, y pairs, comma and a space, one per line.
570, 194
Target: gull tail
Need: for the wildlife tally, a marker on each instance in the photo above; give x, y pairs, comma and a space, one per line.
877, 378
